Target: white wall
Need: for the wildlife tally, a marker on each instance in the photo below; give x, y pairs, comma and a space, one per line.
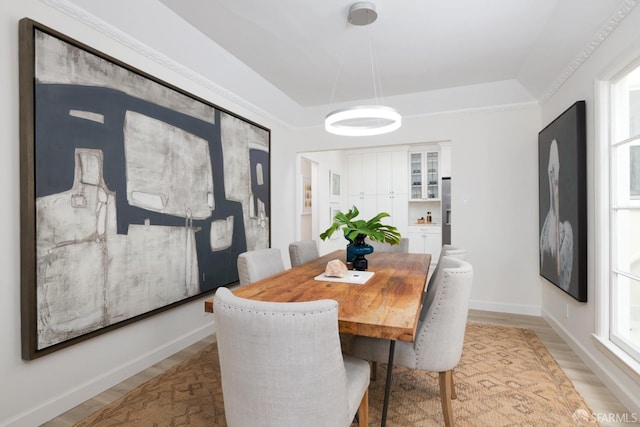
305, 219
494, 164
328, 161
579, 327
33, 392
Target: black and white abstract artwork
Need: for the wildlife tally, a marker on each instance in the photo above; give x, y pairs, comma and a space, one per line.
562, 202
138, 196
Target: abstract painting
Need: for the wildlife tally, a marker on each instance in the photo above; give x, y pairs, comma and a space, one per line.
135, 195
562, 162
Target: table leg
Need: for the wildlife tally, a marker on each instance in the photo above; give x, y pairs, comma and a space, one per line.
387, 386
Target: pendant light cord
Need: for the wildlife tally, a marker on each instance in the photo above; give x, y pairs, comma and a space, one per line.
375, 76
373, 62
362, 120
335, 83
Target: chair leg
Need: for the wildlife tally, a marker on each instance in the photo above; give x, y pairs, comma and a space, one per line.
446, 383
454, 396
363, 410
374, 371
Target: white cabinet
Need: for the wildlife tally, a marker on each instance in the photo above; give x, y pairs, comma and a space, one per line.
366, 204
378, 183
396, 205
424, 168
362, 168
391, 187
391, 172
362, 183
425, 239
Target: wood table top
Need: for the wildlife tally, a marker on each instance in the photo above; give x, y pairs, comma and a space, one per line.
386, 306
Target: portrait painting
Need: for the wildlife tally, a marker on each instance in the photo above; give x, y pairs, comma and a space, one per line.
562, 202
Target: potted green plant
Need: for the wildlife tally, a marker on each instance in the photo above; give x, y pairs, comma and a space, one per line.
355, 231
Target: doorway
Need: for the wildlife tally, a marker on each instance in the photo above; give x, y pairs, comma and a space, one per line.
308, 199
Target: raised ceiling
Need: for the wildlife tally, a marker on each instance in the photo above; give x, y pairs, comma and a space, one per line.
285, 58
419, 45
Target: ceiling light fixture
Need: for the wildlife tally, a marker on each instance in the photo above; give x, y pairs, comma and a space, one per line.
364, 120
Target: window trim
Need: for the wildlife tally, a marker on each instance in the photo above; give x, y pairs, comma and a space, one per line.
603, 194
619, 357
601, 168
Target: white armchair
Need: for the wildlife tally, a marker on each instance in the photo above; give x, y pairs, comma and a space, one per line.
440, 334
449, 250
258, 264
282, 365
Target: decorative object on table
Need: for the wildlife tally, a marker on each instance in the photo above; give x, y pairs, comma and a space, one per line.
122, 191
336, 268
563, 201
353, 277
356, 250
355, 232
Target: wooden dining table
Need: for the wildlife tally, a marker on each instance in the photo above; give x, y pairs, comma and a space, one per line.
386, 306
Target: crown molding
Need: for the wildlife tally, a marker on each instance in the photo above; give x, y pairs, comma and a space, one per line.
600, 37
74, 11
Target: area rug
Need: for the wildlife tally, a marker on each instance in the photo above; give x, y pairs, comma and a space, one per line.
506, 378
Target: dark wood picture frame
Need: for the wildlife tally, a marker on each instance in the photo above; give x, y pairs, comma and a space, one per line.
562, 164
136, 196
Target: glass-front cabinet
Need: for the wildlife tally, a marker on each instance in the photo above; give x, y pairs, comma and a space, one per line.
425, 175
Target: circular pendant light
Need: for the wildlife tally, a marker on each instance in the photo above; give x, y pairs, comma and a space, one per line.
364, 120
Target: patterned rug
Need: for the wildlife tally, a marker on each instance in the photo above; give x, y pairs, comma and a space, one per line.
506, 378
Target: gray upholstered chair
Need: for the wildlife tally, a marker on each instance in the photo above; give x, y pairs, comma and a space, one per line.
258, 264
282, 365
303, 251
403, 246
440, 333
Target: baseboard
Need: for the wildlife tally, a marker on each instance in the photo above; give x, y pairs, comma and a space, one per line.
54, 407
599, 366
528, 310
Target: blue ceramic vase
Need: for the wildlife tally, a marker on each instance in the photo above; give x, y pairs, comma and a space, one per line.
356, 250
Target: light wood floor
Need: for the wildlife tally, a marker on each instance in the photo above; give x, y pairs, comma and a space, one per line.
597, 396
